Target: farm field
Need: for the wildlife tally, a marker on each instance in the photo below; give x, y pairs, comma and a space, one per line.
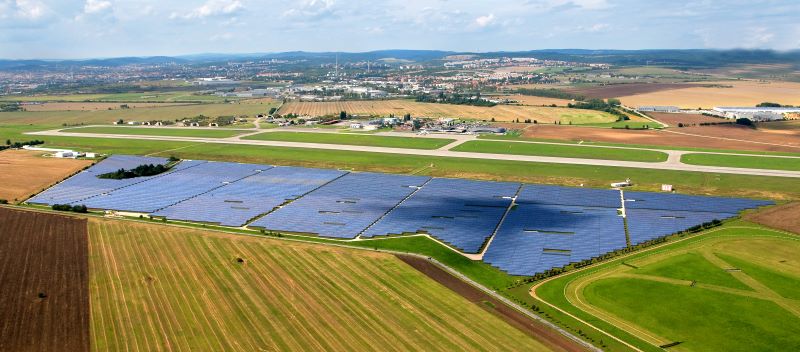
139, 114
23, 173
741, 93
752, 162
92, 106
703, 304
767, 139
625, 89
354, 139
44, 298
155, 286
156, 131
146, 97
564, 151
673, 119
782, 217
532, 100
401, 107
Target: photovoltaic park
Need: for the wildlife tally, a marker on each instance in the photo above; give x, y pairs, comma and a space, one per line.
522, 229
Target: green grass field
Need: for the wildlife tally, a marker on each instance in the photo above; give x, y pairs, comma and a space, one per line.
513, 137
153, 286
155, 131
751, 162
353, 139
731, 289
564, 151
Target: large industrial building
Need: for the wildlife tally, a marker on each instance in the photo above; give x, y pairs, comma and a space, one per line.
758, 113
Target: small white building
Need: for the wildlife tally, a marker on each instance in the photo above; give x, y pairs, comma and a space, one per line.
672, 109
356, 126
65, 154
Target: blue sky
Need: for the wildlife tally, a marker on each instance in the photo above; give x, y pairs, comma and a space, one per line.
108, 28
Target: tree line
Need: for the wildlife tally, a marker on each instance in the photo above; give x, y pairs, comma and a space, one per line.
139, 171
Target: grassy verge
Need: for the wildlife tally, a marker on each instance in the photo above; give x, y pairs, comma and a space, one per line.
564, 151
514, 137
353, 139
668, 309
750, 162
150, 131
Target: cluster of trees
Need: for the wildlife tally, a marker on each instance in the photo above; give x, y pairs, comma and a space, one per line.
10, 107
610, 106
704, 226
456, 99
73, 208
767, 104
550, 93
139, 171
10, 144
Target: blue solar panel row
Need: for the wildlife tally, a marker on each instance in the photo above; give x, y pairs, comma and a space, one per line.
667, 201
537, 237
462, 213
648, 224
238, 202
85, 184
591, 197
172, 187
344, 207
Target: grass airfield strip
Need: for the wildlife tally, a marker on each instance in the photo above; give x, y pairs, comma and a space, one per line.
154, 286
354, 139
566, 151
732, 289
750, 162
156, 131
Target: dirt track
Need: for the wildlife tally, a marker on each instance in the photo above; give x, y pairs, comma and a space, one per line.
542, 333
44, 298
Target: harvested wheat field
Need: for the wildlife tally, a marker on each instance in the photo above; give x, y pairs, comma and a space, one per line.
783, 217
532, 100
44, 298
24, 173
709, 95
402, 107
156, 287
92, 106
625, 89
711, 137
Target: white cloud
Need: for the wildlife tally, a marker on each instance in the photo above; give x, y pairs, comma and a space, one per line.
212, 8
30, 9
486, 20
758, 37
95, 6
597, 27
310, 9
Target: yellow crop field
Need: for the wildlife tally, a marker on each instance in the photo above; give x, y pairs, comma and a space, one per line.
402, 107
155, 287
740, 93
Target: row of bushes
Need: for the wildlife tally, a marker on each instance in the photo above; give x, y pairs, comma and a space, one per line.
73, 208
10, 144
139, 171
455, 99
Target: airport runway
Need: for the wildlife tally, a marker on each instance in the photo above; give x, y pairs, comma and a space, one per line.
673, 162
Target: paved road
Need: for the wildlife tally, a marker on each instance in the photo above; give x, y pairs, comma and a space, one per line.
672, 164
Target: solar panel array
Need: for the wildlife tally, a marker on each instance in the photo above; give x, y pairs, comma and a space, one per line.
462, 213
190, 179
553, 226
648, 224
85, 184
668, 201
344, 207
238, 202
549, 226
